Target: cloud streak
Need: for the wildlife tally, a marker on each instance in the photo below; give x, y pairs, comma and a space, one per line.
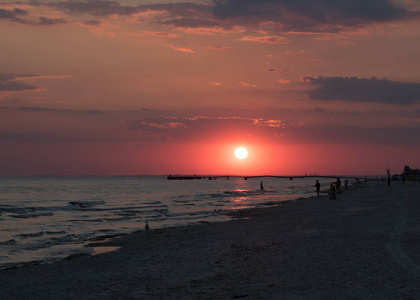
181, 49
277, 131
201, 128
12, 15
162, 34
312, 15
8, 83
320, 16
23, 16
30, 77
272, 40
53, 110
357, 135
363, 90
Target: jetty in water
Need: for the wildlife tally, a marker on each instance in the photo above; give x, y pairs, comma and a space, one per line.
245, 177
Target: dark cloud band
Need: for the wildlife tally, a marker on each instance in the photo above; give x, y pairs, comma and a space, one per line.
279, 15
8, 83
363, 90
312, 15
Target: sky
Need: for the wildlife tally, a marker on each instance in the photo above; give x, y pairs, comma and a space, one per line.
154, 87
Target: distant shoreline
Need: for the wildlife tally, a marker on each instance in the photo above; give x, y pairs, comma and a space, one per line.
202, 175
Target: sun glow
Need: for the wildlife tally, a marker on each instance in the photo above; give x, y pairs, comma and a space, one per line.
241, 153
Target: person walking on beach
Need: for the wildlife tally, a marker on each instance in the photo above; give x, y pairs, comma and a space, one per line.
261, 186
338, 185
317, 187
346, 184
332, 194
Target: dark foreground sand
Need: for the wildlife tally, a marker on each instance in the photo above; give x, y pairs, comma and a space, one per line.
365, 245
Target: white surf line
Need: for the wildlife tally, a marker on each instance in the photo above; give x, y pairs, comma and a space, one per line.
394, 247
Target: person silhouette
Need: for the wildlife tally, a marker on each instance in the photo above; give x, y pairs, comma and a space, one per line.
261, 186
332, 192
338, 185
317, 187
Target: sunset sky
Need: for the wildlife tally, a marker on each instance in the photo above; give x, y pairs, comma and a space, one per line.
153, 87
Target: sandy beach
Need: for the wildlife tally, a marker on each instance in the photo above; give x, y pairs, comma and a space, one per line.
364, 245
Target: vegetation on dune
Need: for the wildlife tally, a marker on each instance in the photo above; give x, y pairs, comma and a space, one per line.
410, 174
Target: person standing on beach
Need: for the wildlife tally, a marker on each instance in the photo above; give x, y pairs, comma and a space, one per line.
261, 186
346, 184
338, 185
332, 194
317, 187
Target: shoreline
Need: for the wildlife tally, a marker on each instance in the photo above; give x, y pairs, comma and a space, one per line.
234, 214
362, 245
43, 239
92, 245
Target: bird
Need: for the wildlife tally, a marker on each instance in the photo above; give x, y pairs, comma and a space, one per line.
147, 227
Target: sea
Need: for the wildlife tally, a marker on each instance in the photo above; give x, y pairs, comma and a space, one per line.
44, 219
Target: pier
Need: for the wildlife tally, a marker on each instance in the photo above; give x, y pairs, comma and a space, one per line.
245, 177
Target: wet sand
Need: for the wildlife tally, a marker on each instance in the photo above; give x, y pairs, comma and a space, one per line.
364, 245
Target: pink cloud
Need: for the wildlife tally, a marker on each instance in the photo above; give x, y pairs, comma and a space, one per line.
215, 83
211, 30
268, 123
279, 71
282, 81
9, 84
273, 40
301, 55
161, 34
181, 49
245, 84
30, 77
195, 124
321, 36
145, 125
170, 125
218, 48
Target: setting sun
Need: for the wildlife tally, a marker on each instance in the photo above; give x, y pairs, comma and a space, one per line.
241, 153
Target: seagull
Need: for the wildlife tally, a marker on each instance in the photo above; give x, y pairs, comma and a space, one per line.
147, 227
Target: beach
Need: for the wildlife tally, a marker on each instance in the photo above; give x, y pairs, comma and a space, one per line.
364, 245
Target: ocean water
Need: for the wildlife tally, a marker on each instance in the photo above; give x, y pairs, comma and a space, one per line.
45, 219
